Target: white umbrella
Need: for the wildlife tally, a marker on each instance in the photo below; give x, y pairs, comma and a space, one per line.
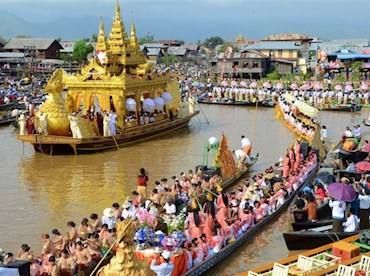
131, 104
148, 105
167, 98
159, 103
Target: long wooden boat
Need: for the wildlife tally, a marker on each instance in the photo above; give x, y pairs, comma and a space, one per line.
7, 121
226, 251
52, 144
324, 251
280, 114
236, 103
312, 238
343, 108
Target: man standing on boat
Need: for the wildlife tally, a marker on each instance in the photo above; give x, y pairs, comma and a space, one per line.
73, 124
22, 124
246, 145
338, 209
106, 122
142, 183
112, 122
243, 159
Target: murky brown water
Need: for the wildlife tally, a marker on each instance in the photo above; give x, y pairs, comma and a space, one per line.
41, 192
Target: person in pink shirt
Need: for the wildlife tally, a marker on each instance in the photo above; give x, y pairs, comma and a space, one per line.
286, 166
297, 154
222, 203
258, 211
291, 158
196, 223
210, 216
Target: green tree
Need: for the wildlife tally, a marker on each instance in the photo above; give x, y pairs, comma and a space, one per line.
224, 45
169, 59
212, 42
182, 42
273, 75
148, 38
94, 38
81, 49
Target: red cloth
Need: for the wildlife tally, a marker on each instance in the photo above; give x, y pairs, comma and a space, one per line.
142, 180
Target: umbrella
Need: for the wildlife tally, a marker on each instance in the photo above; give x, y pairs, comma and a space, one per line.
363, 166
341, 191
326, 177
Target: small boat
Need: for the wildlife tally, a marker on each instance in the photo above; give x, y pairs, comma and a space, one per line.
354, 155
234, 102
323, 260
224, 252
314, 237
6, 120
53, 144
344, 108
366, 122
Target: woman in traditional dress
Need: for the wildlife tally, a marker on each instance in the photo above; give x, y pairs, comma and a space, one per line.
66, 264
286, 166
297, 154
210, 212
222, 203
58, 242
83, 229
196, 222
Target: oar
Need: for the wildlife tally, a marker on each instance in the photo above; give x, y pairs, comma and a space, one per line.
203, 113
114, 139
254, 123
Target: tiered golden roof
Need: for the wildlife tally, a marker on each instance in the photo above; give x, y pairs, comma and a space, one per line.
123, 73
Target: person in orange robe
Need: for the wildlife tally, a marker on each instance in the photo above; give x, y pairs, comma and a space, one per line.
286, 166
298, 155
196, 223
291, 158
210, 215
222, 203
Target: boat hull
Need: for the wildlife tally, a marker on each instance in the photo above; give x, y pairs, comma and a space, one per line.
51, 144
7, 121
344, 108
235, 103
299, 240
299, 226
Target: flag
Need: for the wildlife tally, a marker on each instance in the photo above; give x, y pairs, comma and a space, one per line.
101, 56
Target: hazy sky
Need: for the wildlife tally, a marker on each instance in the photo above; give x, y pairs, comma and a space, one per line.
191, 20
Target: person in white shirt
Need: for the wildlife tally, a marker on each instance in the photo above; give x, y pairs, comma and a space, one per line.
323, 134
164, 269
338, 209
169, 207
348, 132
243, 159
246, 145
352, 222
364, 209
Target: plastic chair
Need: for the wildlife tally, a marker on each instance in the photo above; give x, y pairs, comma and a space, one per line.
344, 270
305, 263
280, 270
365, 263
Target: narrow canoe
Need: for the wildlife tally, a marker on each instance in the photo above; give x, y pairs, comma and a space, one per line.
235, 103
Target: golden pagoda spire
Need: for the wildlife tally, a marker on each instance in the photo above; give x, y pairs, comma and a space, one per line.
101, 43
134, 43
117, 36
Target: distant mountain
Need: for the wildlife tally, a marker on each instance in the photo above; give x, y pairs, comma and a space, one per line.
63, 27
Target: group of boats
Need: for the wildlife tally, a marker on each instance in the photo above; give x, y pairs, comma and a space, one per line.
132, 90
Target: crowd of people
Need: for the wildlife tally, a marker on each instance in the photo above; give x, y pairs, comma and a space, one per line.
214, 217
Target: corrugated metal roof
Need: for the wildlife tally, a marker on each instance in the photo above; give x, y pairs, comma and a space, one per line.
176, 51
273, 45
155, 45
191, 47
153, 51
243, 55
38, 43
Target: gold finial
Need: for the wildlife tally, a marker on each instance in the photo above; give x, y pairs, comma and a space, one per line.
101, 27
219, 188
194, 204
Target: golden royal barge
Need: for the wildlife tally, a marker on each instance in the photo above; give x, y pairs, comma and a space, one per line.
120, 79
